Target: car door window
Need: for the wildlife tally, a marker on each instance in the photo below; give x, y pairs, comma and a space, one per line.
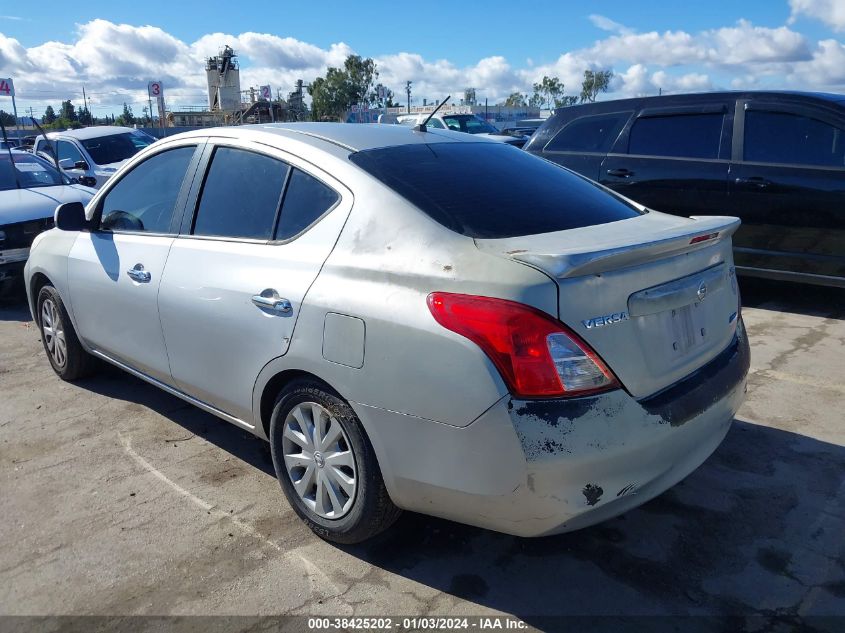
589, 133
677, 135
782, 137
67, 149
435, 123
306, 199
145, 198
241, 195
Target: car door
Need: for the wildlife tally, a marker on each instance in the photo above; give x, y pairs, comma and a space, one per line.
788, 186
114, 270
582, 143
263, 225
673, 159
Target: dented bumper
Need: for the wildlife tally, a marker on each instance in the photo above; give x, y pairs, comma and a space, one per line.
533, 468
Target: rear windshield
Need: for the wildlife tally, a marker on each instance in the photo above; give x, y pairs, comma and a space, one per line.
492, 190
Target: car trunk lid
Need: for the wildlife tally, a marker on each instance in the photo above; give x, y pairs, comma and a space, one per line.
655, 296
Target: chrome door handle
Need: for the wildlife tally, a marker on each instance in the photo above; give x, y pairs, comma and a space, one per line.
137, 273
270, 300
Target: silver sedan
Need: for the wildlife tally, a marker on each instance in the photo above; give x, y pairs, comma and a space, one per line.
419, 320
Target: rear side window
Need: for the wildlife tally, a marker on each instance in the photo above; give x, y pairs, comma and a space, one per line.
306, 199
780, 137
678, 135
589, 133
492, 190
144, 199
241, 195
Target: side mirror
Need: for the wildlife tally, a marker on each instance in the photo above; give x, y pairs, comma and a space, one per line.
70, 216
88, 181
81, 164
66, 163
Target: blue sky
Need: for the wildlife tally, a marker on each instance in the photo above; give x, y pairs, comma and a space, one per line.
114, 49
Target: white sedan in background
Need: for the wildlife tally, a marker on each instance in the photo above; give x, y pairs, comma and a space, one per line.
30, 190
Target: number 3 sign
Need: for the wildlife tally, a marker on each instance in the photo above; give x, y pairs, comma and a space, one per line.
154, 89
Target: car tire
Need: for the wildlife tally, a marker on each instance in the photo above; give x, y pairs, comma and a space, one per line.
329, 473
64, 351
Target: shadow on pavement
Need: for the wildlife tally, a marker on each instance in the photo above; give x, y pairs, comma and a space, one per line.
755, 531
783, 296
13, 305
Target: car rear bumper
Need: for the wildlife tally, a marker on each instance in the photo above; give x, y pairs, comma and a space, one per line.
533, 468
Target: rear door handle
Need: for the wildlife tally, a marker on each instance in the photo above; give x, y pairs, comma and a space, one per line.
269, 299
754, 181
620, 173
137, 273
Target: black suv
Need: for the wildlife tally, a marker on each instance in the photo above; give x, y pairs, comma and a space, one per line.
774, 159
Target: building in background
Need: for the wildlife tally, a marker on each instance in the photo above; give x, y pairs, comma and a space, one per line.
224, 81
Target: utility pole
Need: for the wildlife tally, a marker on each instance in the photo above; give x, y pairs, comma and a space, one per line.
408, 92
85, 101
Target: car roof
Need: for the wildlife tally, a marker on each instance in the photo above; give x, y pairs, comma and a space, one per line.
687, 97
354, 137
95, 131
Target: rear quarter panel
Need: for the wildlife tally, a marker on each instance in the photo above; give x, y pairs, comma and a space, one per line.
389, 257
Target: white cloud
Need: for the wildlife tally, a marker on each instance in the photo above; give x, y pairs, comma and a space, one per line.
831, 12
740, 44
606, 24
115, 61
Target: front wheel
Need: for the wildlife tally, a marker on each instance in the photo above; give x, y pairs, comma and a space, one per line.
64, 351
326, 465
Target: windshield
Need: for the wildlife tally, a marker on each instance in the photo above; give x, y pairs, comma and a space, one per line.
29, 172
468, 123
492, 190
115, 148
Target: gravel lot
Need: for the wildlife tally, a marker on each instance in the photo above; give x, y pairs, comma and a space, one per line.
120, 499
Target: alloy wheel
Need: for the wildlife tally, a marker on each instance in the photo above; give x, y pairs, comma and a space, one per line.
53, 332
319, 460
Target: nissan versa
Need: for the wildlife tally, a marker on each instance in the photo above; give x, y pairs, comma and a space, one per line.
415, 319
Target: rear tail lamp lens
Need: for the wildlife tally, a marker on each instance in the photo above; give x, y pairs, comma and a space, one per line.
536, 355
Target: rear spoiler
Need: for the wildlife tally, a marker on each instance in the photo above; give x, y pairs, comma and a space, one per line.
622, 251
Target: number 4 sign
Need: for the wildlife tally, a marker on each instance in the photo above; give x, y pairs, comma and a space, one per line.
7, 87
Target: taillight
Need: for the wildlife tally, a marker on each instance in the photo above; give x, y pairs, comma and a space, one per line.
537, 356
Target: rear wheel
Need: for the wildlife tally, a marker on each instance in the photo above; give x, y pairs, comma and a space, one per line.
64, 351
326, 465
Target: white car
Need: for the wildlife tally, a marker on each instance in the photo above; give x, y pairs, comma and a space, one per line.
469, 123
30, 190
93, 154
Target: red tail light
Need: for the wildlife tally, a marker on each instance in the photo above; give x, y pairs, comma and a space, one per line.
536, 355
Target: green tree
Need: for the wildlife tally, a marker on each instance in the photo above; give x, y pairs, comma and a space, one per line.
387, 102
548, 90
334, 94
515, 100
67, 112
595, 82
49, 115
127, 118
84, 116
361, 74
7, 118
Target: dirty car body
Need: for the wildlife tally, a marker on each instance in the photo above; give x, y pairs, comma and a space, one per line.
524, 350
